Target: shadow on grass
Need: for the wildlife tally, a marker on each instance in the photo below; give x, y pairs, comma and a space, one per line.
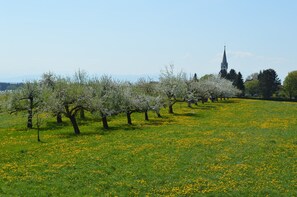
73, 135
270, 99
164, 120
206, 107
100, 131
196, 115
54, 126
125, 127
229, 101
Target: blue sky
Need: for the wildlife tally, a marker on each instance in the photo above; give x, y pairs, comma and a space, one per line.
132, 38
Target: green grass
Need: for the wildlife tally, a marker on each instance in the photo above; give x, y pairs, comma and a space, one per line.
231, 148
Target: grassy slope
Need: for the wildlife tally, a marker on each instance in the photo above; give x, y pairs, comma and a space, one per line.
236, 147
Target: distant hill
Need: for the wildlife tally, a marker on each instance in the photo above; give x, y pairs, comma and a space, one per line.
9, 86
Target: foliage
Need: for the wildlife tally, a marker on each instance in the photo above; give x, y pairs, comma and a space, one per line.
173, 86
152, 98
253, 76
239, 83
67, 98
268, 82
132, 101
252, 87
26, 98
48, 82
223, 73
236, 79
232, 75
290, 84
105, 99
216, 87
195, 78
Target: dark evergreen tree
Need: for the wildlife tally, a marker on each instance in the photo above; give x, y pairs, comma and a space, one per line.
195, 78
236, 79
223, 73
268, 82
239, 82
232, 75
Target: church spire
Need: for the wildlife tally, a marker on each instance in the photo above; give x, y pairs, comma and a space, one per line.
224, 64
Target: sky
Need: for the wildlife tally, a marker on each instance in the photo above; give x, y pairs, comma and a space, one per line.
138, 38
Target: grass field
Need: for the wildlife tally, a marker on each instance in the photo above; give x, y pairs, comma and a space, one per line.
231, 148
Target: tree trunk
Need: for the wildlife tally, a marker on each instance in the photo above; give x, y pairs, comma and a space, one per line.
189, 104
129, 118
146, 116
158, 114
29, 123
30, 114
59, 118
82, 114
38, 133
38, 128
38, 136
170, 110
74, 124
104, 122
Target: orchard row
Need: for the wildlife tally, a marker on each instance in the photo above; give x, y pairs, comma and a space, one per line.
104, 96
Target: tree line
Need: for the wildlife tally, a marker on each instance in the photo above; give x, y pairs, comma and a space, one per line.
266, 84
68, 97
9, 86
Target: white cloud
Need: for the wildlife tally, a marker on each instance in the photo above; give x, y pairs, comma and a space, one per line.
241, 54
186, 56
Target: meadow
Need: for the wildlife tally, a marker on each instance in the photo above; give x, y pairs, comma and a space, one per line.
234, 147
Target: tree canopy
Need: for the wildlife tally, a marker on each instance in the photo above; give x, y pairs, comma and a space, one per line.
290, 84
103, 97
268, 83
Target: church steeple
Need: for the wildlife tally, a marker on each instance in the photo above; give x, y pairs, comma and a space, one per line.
224, 64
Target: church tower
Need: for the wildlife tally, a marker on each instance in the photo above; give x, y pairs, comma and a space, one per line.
224, 64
